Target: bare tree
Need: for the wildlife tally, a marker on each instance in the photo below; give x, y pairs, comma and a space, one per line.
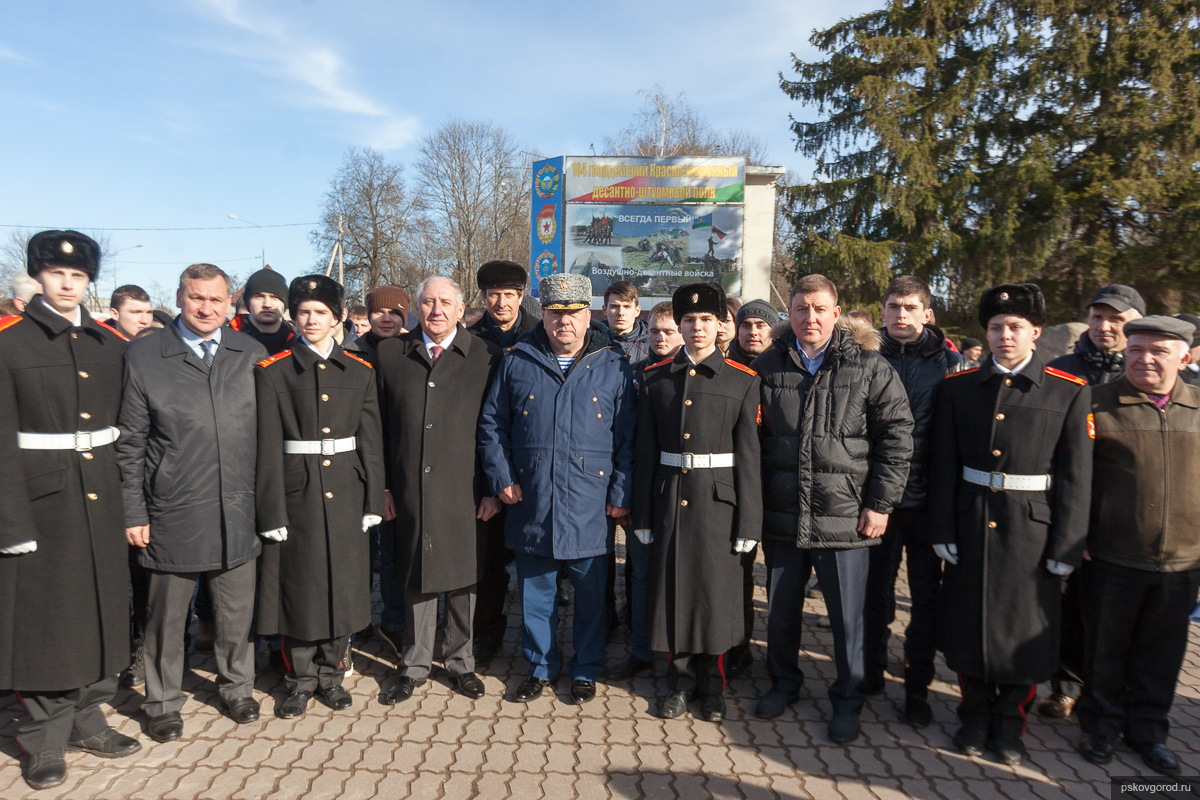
668, 126
380, 218
476, 192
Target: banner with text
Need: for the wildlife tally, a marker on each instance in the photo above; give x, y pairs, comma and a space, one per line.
654, 180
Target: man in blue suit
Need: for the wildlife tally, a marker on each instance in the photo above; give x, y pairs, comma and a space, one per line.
556, 441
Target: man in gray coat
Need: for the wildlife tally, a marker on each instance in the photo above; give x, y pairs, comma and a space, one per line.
187, 452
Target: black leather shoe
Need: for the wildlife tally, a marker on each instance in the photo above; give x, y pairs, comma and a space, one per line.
583, 691
529, 690
843, 728
673, 705
336, 697
971, 740
1008, 750
772, 704
401, 690
630, 666
243, 710
917, 711
135, 674
1056, 706
45, 770
712, 707
872, 685
738, 661
1096, 748
294, 705
1158, 757
165, 727
108, 743
469, 684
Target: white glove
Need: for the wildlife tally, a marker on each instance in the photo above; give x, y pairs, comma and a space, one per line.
370, 521
947, 552
743, 545
277, 535
20, 549
645, 535
1059, 568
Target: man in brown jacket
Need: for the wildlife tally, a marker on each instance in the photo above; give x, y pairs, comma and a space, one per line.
1143, 544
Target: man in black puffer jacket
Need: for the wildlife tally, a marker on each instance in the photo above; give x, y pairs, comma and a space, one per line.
836, 446
918, 353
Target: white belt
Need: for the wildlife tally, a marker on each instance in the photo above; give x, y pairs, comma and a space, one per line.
696, 460
319, 447
1002, 480
79, 440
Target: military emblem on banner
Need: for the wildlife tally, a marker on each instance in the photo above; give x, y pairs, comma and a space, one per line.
545, 182
545, 265
546, 224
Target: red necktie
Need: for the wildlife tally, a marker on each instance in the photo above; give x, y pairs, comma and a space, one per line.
435, 352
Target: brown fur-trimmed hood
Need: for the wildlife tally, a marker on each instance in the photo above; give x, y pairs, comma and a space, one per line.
861, 333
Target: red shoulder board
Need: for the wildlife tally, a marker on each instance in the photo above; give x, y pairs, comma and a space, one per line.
9, 321
266, 362
963, 372
659, 364
113, 330
362, 361
742, 367
1066, 376
238, 322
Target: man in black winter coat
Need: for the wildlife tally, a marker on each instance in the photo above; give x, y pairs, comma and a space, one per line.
918, 352
836, 446
1099, 358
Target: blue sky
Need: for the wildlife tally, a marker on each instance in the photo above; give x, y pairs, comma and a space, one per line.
132, 114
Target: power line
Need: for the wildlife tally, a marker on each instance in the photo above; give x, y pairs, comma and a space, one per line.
217, 228
182, 260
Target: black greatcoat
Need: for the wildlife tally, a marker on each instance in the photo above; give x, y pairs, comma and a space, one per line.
694, 597
1000, 606
430, 414
316, 584
64, 608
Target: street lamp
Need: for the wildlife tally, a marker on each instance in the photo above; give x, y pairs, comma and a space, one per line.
261, 231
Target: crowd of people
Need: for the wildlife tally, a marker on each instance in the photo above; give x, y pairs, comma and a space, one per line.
238, 467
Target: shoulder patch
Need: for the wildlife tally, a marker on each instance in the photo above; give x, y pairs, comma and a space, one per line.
112, 330
266, 362
742, 367
360, 360
1066, 376
961, 372
658, 364
9, 321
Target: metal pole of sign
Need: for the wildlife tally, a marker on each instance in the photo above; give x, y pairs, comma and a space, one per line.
336, 252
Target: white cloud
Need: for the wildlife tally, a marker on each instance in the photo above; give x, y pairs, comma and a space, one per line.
317, 68
8, 54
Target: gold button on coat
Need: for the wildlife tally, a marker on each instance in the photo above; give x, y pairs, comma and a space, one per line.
329, 495
83, 373
325, 397
687, 402
683, 502
995, 452
992, 524
93, 496
999, 416
85, 415
324, 430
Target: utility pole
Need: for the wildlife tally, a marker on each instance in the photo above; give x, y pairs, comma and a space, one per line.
337, 253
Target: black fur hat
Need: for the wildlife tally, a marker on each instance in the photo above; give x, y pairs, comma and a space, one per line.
698, 298
63, 249
315, 287
502, 275
1020, 299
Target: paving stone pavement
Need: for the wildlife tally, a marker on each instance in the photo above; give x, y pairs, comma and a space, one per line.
441, 745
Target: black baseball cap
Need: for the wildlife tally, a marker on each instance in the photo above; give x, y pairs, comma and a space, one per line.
1120, 297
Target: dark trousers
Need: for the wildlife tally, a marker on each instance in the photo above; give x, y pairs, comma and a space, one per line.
701, 673
538, 576
1137, 634
637, 568
391, 590
139, 588
492, 589
843, 576
1072, 646
907, 533
999, 708
54, 718
232, 593
420, 633
313, 664
610, 579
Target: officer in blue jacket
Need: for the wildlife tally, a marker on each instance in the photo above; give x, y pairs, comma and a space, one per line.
556, 438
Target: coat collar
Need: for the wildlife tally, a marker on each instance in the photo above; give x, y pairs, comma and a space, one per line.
1183, 394
56, 324
414, 343
173, 345
304, 357
1034, 372
712, 365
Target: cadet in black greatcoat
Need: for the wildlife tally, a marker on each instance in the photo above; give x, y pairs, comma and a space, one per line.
697, 500
64, 631
319, 488
1010, 486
